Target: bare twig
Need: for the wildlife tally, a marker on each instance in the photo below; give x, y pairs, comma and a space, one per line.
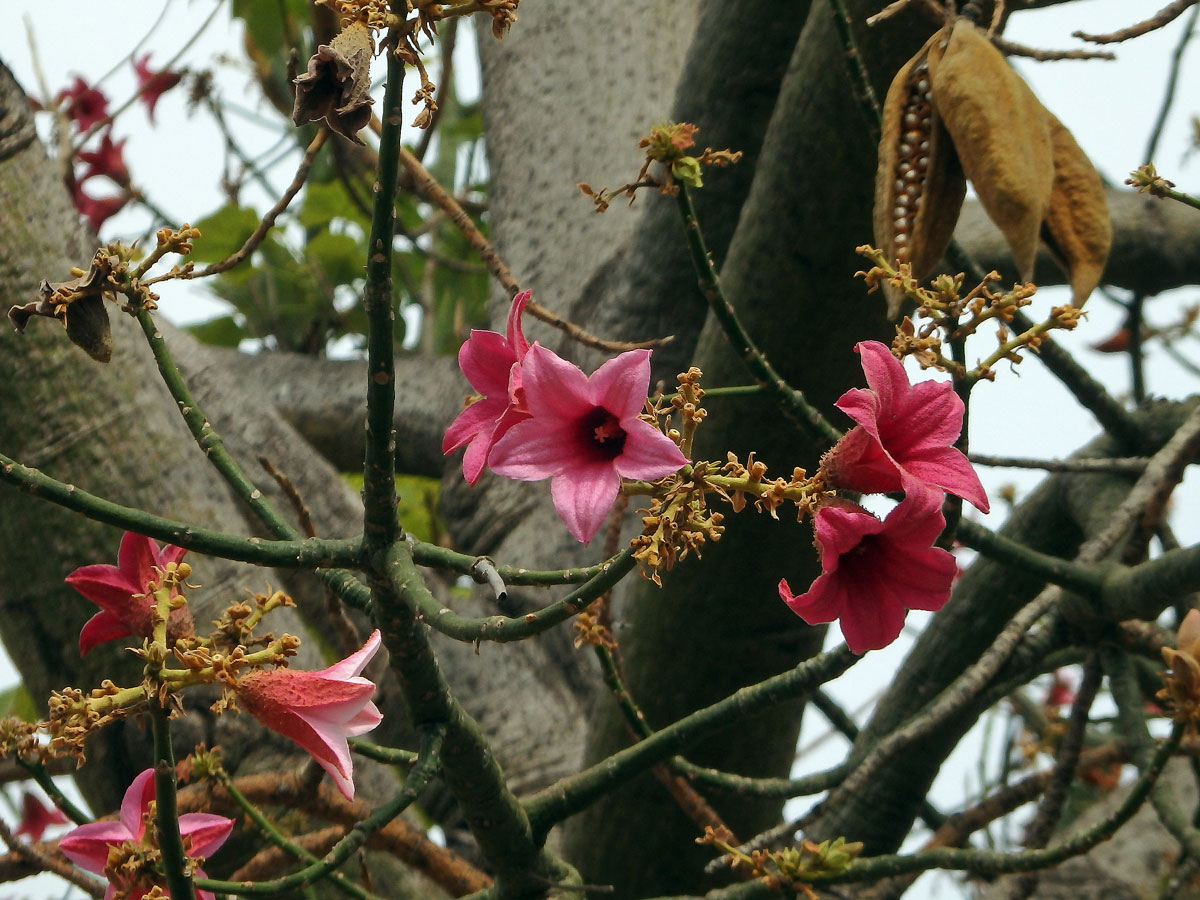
46, 861
1133, 465
1012, 48
1172, 82
1164, 16
268, 221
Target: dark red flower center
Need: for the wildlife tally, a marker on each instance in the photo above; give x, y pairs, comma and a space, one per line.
602, 431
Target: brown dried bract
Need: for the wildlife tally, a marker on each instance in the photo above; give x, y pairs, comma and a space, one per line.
1077, 229
79, 305
957, 108
336, 86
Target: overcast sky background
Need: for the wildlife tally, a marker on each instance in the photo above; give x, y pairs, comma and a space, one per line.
1109, 106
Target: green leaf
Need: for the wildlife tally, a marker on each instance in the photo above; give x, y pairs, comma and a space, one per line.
339, 258
223, 233
16, 702
323, 203
223, 331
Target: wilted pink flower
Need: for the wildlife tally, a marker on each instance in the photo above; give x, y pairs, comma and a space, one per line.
151, 84
121, 593
872, 572
107, 159
585, 434
86, 106
36, 817
492, 363
904, 434
317, 710
88, 845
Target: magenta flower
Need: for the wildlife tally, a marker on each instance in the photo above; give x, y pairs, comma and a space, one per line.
151, 84
89, 845
107, 159
317, 710
36, 817
585, 434
872, 572
492, 363
97, 210
86, 105
904, 434
121, 592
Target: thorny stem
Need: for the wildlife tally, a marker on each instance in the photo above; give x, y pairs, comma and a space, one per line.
790, 400
380, 526
418, 778
276, 837
575, 793
170, 843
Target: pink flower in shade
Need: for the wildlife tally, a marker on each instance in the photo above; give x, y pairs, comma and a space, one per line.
108, 159
585, 434
151, 84
872, 572
36, 817
904, 434
121, 593
88, 845
86, 105
317, 710
492, 363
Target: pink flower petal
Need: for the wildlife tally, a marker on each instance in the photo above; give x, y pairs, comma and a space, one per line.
485, 359
620, 385
137, 798
513, 333
533, 449
353, 665
648, 454
480, 416
203, 833
554, 388
584, 496
101, 627
87, 846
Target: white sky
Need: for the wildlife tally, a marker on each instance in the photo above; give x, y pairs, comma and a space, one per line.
1108, 106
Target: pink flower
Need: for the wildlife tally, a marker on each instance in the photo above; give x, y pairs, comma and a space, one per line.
317, 710
492, 363
97, 210
904, 434
151, 84
36, 817
585, 434
89, 845
108, 159
87, 105
121, 592
872, 572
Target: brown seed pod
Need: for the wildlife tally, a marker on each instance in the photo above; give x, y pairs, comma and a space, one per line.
86, 321
1077, 228
1000, 131
919, 185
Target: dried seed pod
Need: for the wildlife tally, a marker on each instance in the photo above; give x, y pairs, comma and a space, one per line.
86, 321
336, 86
1077, 228
919, 185
1001, 134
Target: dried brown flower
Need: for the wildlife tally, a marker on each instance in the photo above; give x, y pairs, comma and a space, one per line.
336, 85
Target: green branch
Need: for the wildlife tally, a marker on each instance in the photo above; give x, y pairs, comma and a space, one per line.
503, 629
435, 557
170, 842
380, 527
356, 837
790, 400
1145, 590
469, 768
1082, 579
574, 793
290, 554
280, 840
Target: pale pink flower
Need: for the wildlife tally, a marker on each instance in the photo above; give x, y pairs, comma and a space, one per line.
585, 434
121, 592
36, 817
492, 363
317, 710
88, 845
904, 434
872, 572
